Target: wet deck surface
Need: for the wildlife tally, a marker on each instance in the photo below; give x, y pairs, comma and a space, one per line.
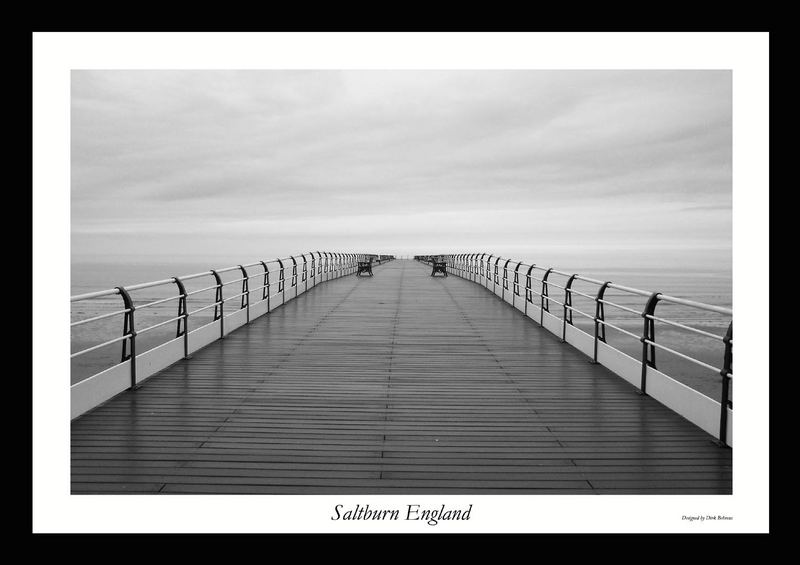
396, 383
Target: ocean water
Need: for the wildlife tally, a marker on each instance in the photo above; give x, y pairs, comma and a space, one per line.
708, 285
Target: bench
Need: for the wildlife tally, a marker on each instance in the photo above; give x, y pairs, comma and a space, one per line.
439, 267
364, 267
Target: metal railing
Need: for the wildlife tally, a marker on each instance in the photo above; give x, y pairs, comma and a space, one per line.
276, 279
503, 273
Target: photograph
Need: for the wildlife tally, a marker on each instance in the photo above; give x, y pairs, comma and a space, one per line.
369, 285
215, 350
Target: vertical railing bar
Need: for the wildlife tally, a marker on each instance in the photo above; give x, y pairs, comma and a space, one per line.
599, 317
294, 274
245, 303
305, 272
128, 327
545, 301
724, 401
265, 291
282, 281
528, 288
648, 334
505, 280
183, 311
567, 311
219, 302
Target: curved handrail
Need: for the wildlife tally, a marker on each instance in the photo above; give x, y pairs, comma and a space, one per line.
338, 269
485, 271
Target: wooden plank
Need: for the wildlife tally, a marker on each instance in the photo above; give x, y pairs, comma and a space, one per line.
395, 383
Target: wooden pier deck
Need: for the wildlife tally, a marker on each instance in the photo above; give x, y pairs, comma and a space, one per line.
393, 384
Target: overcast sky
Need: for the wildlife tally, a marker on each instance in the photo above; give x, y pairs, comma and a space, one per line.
541, 165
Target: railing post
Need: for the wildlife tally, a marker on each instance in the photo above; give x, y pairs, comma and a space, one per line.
305, 272
528, 288
505, 280
245, 292
281, 281
183, 312
488, 270
496, 277
128, 327
265, 291
294, 274
567, 310
219, 303
599, 319
648, 334
545, 300
325, 266
516, 285
724, 401
481, 266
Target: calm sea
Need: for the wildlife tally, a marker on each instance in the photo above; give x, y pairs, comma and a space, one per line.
712, 286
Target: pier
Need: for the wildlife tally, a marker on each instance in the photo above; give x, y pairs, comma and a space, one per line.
312, 380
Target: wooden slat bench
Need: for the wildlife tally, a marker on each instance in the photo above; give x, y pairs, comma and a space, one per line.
439, 267
364, 267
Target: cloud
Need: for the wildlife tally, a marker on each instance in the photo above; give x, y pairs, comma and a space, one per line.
399, 157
